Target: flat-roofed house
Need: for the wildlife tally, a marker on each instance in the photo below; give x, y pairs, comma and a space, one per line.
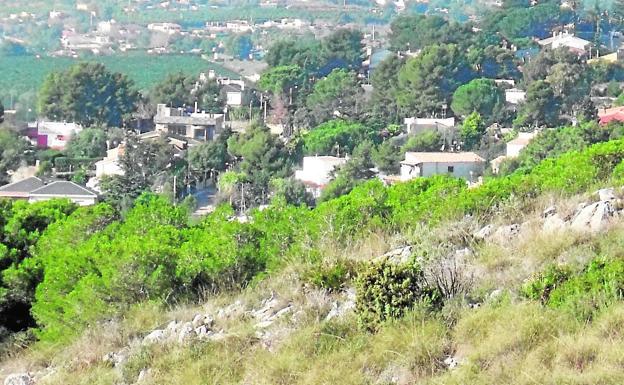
193, 125
417, 125
568, 40
54, 135
110, 165
467, 165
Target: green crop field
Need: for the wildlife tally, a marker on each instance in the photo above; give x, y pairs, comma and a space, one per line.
22, 74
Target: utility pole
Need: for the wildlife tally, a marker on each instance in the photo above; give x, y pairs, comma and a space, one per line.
175, 181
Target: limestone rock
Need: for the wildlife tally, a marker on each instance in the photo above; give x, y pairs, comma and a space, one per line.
19, 379
593, 218
451, 362
484, 232
505, 233
554, 224
606, 194
398, 256
155, 336
186, 332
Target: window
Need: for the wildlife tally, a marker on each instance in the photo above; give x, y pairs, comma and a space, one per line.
200, 133
451, 169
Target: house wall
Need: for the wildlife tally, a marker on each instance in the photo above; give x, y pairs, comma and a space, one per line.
460, 170
86, 201
107, 167
234, 99
318, 170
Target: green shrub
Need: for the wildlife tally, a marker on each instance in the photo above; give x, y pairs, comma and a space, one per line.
333, 277
545, 282
600, 284
386, 290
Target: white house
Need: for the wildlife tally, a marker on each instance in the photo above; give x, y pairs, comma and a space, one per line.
53, 135
317, 172
64, 190
34, 189
110, 166
515, 96
568, 40
467, 165
515, 146
168, 28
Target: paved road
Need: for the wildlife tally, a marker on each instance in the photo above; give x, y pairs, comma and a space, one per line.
205, 201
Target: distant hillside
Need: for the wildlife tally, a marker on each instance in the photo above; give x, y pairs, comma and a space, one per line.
22, 74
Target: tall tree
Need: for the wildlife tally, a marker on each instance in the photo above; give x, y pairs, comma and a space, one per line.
385, 79
342, 49
89, 94
541, 108
427, 81
337, 95
480, 95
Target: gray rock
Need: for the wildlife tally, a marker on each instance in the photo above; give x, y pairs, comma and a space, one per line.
116, 359
231, 311
172, 327
143, 375
399, 256
554, 224
550, 211
201, 332
484, 232
606, 194
155, 336
593, 218
451, 362
505, 233
19, 379
495, 294
186, 332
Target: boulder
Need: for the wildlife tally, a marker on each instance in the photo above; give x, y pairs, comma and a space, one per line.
484, 232
451, 362
505, 233
19, 379
553, 224
155, 336
593, 218
398, 256
186, 332
202, 319
606, 194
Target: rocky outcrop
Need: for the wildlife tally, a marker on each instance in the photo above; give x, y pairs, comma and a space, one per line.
19, 379
398, 256
593, 218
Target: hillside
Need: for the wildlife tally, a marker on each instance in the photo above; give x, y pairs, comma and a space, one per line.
517, 281
25, 74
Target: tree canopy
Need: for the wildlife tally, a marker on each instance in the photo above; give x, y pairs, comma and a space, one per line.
479, 95
88, 94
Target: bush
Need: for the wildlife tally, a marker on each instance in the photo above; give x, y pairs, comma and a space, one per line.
600, 284
386, 290
333, 277
545, 282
